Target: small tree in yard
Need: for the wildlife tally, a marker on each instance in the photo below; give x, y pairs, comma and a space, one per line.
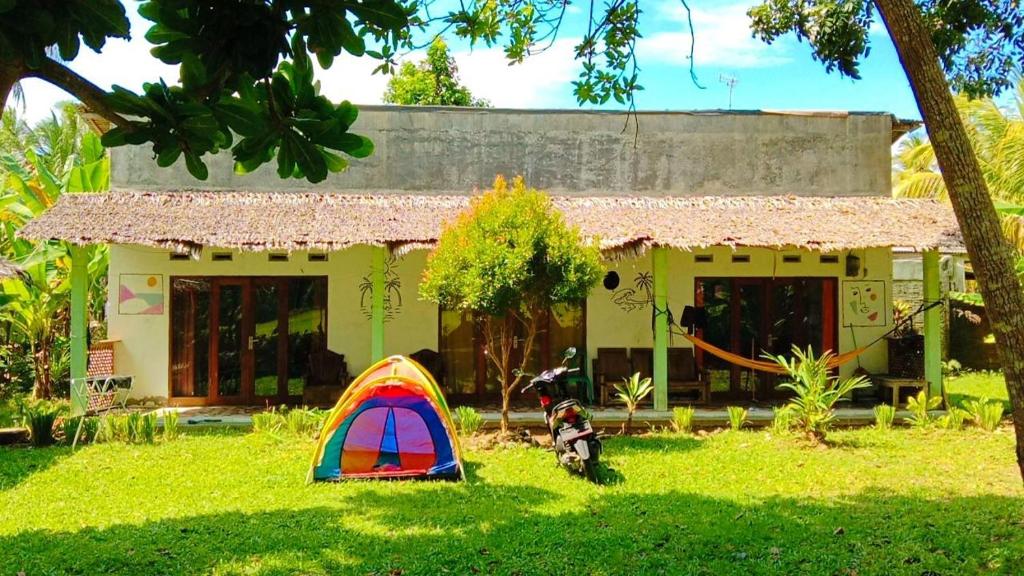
509, 258
631, 392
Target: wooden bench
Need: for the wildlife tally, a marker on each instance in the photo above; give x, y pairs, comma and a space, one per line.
896, 384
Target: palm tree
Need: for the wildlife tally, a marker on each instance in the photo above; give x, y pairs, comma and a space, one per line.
997, 134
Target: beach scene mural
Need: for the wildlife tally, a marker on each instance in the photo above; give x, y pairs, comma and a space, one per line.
141, 294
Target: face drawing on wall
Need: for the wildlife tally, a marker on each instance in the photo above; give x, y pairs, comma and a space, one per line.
864, 303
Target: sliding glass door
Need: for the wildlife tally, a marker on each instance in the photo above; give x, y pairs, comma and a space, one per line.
241, 340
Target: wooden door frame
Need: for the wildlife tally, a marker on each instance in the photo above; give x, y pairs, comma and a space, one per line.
247, 395
830, 302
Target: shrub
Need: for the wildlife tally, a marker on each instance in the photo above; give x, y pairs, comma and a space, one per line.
631, 392
782, 419
133, 427
147, 428
919, 406
39, 418
304, 421
269, 422
469, 420
884, 416
682, 419
170, 425
737, 416
815, 390
985, 414
953, 419
90, 429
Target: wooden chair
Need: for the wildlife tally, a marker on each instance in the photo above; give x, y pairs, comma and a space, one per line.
610, 367
684, 377
642, 361
327, 376
103, 390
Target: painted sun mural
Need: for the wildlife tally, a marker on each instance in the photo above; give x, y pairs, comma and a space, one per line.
141, 294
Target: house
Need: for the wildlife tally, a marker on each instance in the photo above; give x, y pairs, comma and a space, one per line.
774, 228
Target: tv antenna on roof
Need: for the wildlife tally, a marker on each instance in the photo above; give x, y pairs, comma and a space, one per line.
731, 82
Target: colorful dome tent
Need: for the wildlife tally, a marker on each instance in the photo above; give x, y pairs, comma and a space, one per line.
392, 422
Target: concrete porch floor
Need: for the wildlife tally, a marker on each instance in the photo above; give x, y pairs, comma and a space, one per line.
711, 417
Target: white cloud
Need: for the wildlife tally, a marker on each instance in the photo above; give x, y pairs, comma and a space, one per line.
532, 84
723, 39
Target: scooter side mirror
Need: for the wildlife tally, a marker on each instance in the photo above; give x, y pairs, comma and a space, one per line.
569, 353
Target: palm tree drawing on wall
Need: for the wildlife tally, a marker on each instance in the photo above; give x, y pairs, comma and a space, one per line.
392, 292
639, 297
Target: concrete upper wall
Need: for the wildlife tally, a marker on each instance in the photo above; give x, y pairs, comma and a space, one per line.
453, 150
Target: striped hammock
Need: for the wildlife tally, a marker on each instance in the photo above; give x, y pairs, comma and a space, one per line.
760, 365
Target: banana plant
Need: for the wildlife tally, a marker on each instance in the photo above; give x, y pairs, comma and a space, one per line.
37, 166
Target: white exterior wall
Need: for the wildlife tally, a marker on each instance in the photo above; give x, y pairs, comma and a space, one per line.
145, 340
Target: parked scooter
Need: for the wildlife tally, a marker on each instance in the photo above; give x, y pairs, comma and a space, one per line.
577, 445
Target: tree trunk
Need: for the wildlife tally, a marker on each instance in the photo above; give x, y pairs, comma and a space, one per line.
989, 251
9, 76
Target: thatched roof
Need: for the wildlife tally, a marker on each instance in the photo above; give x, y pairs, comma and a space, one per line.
8, 269
189, 220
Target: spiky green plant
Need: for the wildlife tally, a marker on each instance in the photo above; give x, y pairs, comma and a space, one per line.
269, 422
147, 428
953, 419
469, 420
737, 416
782, 419
884, 416
985, 414
39, 417
170, 425
815, 390
682, 419
919, 406
631, 392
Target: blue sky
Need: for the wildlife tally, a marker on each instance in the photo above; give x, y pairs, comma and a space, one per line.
781, 76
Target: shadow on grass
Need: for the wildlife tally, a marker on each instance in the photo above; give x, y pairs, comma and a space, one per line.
19, 462
674, 443
499, 529
961, 399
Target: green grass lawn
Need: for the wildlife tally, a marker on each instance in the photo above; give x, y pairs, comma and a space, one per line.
972, 385
907, 502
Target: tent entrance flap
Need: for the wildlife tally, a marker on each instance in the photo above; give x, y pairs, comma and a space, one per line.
392, 422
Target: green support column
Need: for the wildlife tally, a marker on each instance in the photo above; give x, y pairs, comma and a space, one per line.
932, 324
377, 305
79, 327
660, 264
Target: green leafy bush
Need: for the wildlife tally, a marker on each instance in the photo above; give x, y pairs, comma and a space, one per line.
630, 392
170, 425
133, 424
470, 421
953, 419
782, 419
737, 416
147, 428
39, 418
682, 419
269, 422
884, 416
90, 429
815, 390
985, 414
919, 406
302, 421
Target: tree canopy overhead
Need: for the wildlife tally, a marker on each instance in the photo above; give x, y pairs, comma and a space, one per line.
246, 78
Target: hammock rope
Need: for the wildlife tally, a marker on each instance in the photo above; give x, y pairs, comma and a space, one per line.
773, 368
764, 366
